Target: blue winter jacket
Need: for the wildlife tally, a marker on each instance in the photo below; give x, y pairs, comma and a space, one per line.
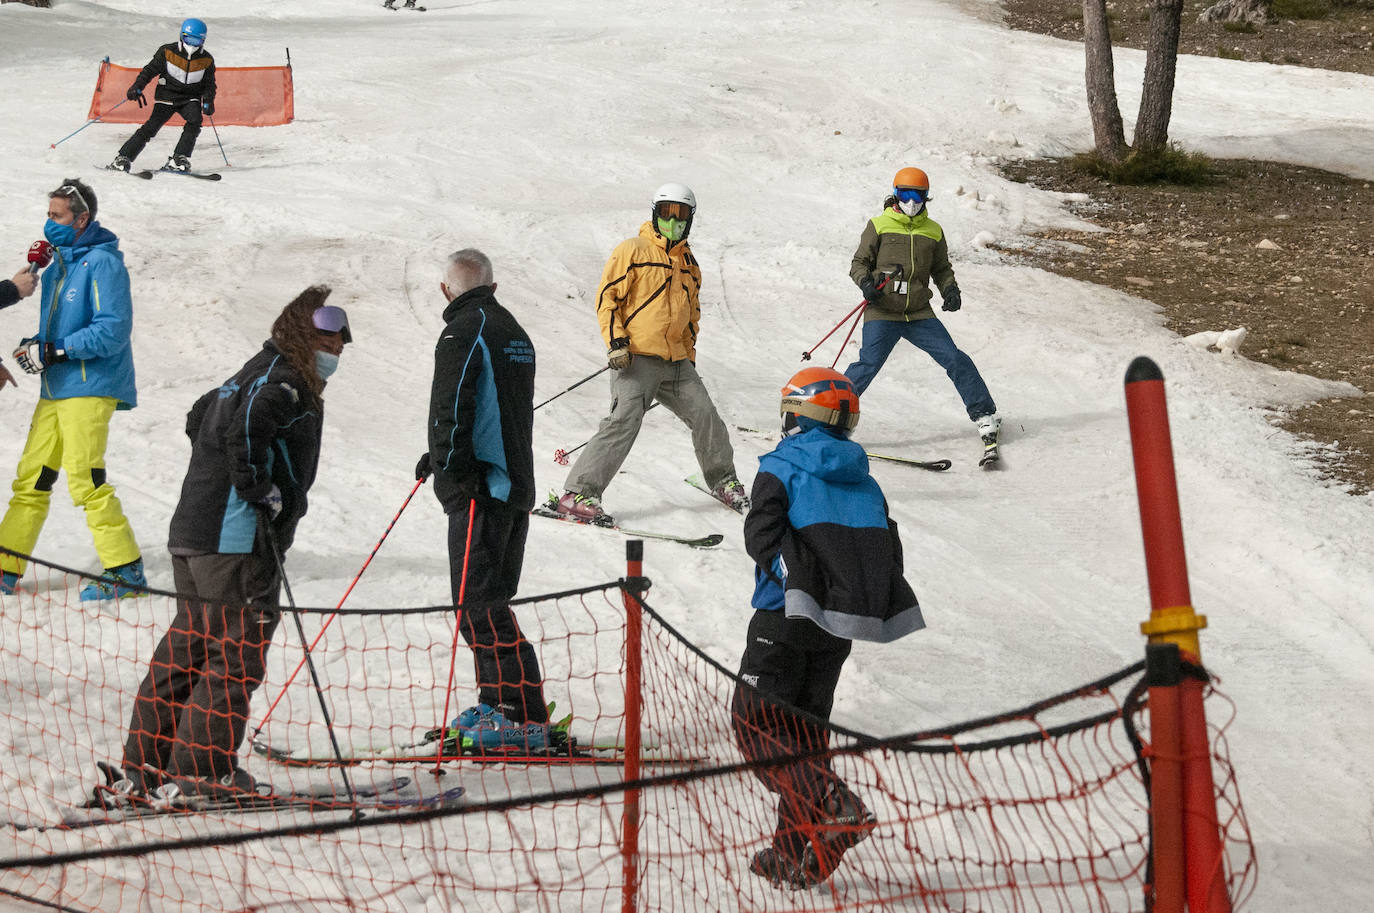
823, 544
87, 310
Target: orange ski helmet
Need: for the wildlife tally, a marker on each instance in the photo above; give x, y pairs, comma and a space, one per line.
913, 178
822, 394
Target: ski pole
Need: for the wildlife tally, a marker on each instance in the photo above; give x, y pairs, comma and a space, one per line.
574, 386
319, 689
328, 621
221, 145
849, 335
453, 653
561, 456
858, 309
94, 120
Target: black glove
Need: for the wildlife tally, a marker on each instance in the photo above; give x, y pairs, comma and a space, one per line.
208, 107
952, 300
425, 468
619, 356
34, 356
135, 94
870, 291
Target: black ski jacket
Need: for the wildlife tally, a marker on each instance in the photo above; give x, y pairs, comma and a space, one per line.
183, 74
481, 406
260, 428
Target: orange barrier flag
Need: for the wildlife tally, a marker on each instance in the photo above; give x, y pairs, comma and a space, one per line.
244, 96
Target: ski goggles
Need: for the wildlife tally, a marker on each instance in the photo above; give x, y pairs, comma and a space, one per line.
72, 195
672, 209
331, 319
910, 194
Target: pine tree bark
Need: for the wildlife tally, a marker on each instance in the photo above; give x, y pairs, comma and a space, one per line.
1161, 62
1109, 136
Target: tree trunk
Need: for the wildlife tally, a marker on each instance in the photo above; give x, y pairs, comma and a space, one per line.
1109, 137
1161, 60
45, 4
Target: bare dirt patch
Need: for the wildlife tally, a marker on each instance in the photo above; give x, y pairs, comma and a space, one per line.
1341, 39
1284, 251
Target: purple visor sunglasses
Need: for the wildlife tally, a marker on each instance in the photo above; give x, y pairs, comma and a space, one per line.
331, 319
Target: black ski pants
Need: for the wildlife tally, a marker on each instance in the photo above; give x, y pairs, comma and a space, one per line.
192, 708
789, 665
190, 112
483, 577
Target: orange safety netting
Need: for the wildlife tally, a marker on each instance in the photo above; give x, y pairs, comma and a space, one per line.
1041, 809
244, 97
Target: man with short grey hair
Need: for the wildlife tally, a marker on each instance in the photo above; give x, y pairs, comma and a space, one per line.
481, 453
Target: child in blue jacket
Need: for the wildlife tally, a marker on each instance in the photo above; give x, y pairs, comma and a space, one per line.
828, 571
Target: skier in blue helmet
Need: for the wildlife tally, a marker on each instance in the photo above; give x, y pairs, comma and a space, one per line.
185, 74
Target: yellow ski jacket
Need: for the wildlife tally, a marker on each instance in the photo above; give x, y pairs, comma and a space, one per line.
649, 294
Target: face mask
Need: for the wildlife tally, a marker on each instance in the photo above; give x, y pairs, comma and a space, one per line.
325, 364
911, 207
59, 235
672, 229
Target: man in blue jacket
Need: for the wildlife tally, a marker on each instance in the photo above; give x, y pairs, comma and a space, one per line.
828, 571
85, 363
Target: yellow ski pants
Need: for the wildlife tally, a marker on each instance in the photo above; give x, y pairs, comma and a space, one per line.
70, 435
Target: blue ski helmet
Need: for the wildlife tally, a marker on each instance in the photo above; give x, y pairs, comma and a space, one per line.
193, 32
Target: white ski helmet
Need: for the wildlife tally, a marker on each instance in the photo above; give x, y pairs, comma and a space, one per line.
674, 193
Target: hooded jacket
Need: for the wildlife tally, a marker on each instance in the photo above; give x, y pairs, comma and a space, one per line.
260, 428
822, 541
914, 243
481, 406
86, 309
649, 295
183, 74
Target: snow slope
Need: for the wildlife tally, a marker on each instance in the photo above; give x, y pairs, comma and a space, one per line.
537, 133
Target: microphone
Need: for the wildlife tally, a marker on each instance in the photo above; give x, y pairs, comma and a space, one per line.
40, 255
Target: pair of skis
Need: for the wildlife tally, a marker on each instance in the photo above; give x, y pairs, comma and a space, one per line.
147, 174
431, 749
397, 794
549, 510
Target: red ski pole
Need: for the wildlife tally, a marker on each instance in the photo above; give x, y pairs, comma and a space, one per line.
858, 309
330, 619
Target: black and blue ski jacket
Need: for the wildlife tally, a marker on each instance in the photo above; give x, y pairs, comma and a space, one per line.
822, 541
481, 406
260, 428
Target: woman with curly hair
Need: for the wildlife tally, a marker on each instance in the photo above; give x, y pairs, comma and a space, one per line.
255, 443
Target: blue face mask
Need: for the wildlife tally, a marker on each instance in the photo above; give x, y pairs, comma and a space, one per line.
59, 235
326, 364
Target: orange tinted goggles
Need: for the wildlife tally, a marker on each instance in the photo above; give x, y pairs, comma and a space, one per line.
671, 209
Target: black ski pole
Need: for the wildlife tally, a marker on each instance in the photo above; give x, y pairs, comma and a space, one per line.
314, 674
560, 456
221, 145
575, 386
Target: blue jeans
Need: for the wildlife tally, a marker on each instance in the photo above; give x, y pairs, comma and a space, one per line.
931, 337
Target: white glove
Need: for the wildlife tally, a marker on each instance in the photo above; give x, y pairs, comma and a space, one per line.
34, 356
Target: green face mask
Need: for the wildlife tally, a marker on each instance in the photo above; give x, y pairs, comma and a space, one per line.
672, 229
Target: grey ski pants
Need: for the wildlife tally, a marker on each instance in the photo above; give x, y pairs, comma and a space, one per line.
676, 385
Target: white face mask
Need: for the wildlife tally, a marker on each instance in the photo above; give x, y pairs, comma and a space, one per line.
911, 207
326, 363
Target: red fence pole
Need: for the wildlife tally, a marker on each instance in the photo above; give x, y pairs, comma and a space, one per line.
1168, 876
1173, 620
634, 705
